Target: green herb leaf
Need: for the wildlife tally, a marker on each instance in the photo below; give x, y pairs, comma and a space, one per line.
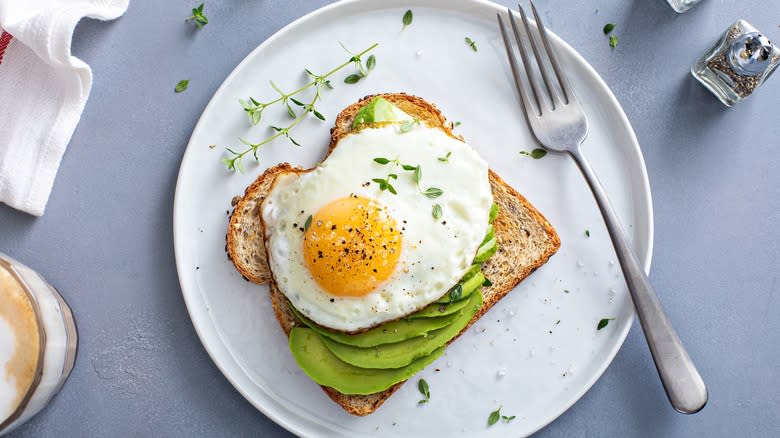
408, 167
290, 111
603, 323
487, 282
408, 125
455, 124
422, 386
417, 175
318, 115
587, 233
391, 189
433, 192
566, 291
508, 419
352, 79
613, 41
182, 85
494, 416
197, 17
277, 89
609, 27
445, 158
379, 180
371, 62
392, 175
307, 224
381, 160
471, 43
408, 17
297, 102
456, 292
536, 153
437, 211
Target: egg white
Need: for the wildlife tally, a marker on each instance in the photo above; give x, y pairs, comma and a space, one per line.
435, 253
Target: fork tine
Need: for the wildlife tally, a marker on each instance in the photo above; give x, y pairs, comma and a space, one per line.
535, 89
562, 80
539, 62
527, 107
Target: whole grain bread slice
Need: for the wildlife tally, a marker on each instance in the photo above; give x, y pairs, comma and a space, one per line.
526, 239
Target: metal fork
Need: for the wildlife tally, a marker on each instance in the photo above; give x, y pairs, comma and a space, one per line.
560, 125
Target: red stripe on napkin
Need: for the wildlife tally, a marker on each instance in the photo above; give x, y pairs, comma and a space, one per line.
5, 39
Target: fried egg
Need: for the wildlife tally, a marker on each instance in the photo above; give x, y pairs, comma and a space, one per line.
351, 252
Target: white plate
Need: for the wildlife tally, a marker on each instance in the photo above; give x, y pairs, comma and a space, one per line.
548, 365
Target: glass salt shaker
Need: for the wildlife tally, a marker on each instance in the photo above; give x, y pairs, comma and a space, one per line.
38, 342
738, 63
681, 6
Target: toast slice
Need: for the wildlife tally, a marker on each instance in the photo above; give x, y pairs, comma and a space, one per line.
526, 240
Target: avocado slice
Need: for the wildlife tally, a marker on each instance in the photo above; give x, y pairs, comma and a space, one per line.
436, 309
314, 358
486, 250
388, 333
379, 110
491, 233
493, 213
401, 354
468, 284
471, 285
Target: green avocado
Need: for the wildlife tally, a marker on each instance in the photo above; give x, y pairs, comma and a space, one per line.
493, 213
401, 354
486, 250
322, 366
388, 333
468, 284
436, 309
379, 110
491, 233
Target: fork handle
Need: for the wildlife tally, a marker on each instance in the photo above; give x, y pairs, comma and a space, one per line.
682, 382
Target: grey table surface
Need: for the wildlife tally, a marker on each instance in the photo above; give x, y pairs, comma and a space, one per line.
106, 238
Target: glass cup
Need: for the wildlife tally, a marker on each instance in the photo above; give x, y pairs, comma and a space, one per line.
38, 341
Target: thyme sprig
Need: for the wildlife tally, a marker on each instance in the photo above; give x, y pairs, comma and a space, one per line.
255, 108
198, 17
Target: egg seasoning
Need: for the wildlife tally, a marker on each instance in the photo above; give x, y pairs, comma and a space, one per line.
352, 246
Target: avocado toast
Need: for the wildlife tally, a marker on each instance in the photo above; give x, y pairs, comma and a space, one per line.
517, 242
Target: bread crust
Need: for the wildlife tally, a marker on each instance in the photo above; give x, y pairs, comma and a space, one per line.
525, 237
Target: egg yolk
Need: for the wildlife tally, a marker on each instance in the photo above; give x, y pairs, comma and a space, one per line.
352, 245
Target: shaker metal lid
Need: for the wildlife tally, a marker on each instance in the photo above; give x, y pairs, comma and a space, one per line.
750, 54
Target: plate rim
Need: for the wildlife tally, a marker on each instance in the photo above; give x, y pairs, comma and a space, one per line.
212, 341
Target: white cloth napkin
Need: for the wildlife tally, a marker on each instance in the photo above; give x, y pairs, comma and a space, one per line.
43, 90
